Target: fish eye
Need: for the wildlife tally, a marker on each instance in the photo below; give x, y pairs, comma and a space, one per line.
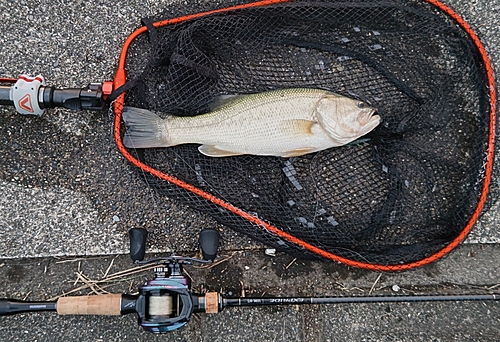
361, 104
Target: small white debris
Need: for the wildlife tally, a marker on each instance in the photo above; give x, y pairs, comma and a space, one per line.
357, 29
116, 218
332, 221
385, 168
296, 184
392, 216
270, 251
199, 176
345, 40
376, 33
395, 288
375, 47
407, 183
290, 171
291, 203
321, 211
247, 268
343, 58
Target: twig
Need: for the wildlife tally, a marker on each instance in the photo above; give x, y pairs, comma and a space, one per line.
100, 290
27, 295
376, 281
242, 288
216, 263
342, 287
114, 276
132, 271
77, 259
109, 267
290, 264
187, 273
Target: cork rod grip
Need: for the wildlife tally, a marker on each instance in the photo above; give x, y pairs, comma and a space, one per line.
107, 305
211, 302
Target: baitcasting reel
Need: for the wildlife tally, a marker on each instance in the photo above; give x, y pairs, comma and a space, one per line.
166, 302
163, 304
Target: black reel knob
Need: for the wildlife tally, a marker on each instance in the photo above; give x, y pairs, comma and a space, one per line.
209, 243
137, 243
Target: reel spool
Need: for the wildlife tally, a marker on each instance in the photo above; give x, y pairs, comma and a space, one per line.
166, 303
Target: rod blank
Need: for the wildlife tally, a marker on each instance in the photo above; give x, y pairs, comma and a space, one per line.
13, 306
366, 299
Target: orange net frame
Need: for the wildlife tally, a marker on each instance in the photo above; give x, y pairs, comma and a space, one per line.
322, 234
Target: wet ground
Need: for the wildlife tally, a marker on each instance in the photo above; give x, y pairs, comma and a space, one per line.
469, 270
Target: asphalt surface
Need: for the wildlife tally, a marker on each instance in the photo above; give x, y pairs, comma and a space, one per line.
471, 269
67, 193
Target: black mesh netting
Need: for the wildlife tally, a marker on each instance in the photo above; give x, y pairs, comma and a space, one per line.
395, 196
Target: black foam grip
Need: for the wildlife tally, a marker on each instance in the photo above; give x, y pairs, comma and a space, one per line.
5, 96
137, 243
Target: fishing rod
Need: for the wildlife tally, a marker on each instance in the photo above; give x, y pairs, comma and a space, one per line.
166, 303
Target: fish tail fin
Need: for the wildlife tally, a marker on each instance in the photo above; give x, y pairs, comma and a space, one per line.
145, 129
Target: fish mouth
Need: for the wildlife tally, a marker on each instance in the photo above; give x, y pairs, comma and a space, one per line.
369, 116
372, 112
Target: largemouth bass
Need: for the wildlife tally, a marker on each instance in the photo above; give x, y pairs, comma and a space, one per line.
286, 123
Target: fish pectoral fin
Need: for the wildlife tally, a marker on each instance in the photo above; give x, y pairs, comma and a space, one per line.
302, 127
298, 152
212, 151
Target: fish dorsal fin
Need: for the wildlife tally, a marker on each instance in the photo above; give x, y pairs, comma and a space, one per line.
212, 151
223, 100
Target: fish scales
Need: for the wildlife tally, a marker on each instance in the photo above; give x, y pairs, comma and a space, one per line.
287, 122
259, 121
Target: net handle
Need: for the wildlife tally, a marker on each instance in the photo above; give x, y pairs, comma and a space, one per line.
120, 79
